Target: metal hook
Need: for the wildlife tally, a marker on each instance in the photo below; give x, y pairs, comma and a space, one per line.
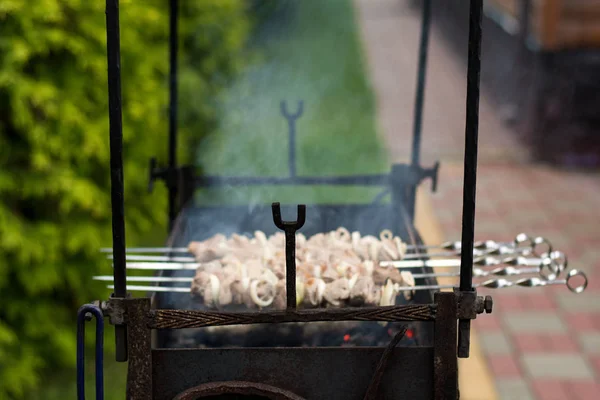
290, 228
289, 225
289, 116
291, 119
82, 316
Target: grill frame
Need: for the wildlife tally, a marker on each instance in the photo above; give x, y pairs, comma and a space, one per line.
155, 373
134, 318
375, 217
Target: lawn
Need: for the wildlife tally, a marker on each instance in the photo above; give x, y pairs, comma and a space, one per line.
313, 55
64, 387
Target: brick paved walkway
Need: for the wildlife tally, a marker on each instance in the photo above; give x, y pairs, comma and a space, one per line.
539, 343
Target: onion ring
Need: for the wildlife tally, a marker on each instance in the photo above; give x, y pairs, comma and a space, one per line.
386, 234
254, 294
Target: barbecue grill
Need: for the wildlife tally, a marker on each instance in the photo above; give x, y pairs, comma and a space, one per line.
320, 353
191, 221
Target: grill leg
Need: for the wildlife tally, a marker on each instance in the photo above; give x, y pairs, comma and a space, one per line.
139, 373
445, 361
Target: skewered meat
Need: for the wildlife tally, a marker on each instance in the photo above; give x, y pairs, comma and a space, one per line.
206, 286
211, 249
337, 291
408, 280
333, 269
362, 292
382, 274
280, 301
387, 294
240, 292
315, 288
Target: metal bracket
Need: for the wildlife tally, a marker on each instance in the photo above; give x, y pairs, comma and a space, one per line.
468, 306
115, 309
157, 172
414, 175
431, 173
179, 180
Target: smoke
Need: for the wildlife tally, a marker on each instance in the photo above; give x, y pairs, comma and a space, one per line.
302, 54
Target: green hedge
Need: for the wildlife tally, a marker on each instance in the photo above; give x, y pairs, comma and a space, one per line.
54, 154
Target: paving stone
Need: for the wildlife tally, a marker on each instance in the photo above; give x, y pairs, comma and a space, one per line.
526, 342
509, 301
513, 389
534, 322
539, 301
595, 361
561, 343
504, 366
550, 390
487, 322
583, 322
495, 343
583, 390
590, 342
557, 366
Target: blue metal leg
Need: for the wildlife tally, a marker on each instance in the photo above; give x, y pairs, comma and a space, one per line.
81, 318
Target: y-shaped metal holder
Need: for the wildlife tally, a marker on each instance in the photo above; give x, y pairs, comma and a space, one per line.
291, 119
290, 228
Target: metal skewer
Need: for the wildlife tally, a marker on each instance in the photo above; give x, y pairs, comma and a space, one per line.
141, 288
548, 267
455, 246
477, 253
492, 284
477, 272
522, 243
504, 283
451, 263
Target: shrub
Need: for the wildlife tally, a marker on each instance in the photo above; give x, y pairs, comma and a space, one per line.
54, 157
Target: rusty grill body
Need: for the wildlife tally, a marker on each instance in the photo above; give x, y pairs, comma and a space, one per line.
424, 371
421, 372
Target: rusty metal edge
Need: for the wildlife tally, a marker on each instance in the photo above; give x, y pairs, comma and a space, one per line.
237, 387
180, 319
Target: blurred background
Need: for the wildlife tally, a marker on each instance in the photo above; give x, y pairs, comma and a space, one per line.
354, 64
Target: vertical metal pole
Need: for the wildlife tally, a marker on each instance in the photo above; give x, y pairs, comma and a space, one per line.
420, 99
113, 50
173, 48
471, 139
521, 61
421, 77
524, 14
292, 148
292, 120
470, 166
